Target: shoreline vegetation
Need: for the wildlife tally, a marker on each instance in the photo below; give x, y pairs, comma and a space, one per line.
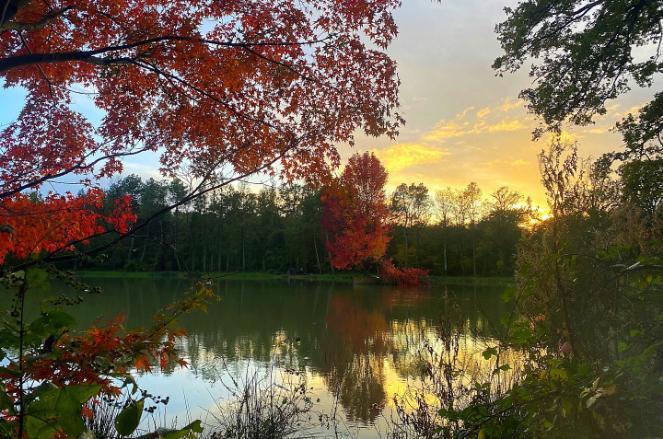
347, 278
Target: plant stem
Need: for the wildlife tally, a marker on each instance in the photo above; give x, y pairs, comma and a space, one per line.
21, 406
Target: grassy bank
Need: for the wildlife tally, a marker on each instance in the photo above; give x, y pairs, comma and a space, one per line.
472, 280
338, 277
107, 274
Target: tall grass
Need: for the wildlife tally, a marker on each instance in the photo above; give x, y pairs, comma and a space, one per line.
266, 405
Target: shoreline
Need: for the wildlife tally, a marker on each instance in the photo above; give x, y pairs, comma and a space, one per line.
347, 278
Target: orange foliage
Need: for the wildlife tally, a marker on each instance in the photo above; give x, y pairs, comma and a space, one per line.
57, 222
356, 213
92, 358
401, 276
206, 82
356, 326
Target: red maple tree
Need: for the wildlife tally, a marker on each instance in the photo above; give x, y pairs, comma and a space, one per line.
209, 85
236, 85
355, 213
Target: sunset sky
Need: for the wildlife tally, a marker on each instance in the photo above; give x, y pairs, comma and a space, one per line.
463, 123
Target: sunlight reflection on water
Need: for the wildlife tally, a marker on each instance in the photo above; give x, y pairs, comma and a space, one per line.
358, 346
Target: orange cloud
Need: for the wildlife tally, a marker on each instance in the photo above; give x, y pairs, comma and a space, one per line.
406, 155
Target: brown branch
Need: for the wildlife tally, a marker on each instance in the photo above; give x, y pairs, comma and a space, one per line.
78, 166
10, 8
90, 56
160, 72
13, 25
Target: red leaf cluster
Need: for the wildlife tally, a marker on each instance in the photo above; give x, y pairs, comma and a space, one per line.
355, 213
96, 356
239, 82
408, 276
32, 226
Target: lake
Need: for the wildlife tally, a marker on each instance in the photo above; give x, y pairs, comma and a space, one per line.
354, 346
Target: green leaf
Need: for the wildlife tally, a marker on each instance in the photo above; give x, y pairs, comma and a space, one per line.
6, 371
186, 432
502, 368
622, 346
51, 322
129, 418
37, 280
508, 294
559, 374
489, 353
5, 402
57, 409
8, 338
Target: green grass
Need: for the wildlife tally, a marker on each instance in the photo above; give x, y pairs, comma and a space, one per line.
109, 274
250, 275
253, 275
345, 278
472, 280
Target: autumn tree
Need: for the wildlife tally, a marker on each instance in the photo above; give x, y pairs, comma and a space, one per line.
504, 199
209, 85
444, 203
472, 203
218, 90
411, 207
355, 213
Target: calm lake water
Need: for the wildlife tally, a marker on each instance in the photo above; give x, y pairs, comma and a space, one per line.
356, 345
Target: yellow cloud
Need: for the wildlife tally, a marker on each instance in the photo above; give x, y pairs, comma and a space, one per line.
446, 130
506, 125
468, 123
485, 111
511, 104
405, 155
489, 143
596, 130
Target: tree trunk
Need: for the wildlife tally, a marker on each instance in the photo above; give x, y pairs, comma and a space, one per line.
317, 255
243, 252
474, 259
204, 258
407, 249
331, 266
131, 251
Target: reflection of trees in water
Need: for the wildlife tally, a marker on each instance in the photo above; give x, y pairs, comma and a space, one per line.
354, 352
408, 337
345, 334
359, 385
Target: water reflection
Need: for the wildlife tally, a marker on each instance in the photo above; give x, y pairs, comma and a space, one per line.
359, 344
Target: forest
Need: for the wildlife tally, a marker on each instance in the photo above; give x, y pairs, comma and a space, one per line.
280, 229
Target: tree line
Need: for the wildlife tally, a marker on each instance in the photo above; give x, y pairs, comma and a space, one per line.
279, 229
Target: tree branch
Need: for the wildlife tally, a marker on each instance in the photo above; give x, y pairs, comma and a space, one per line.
90, 56
13, 25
